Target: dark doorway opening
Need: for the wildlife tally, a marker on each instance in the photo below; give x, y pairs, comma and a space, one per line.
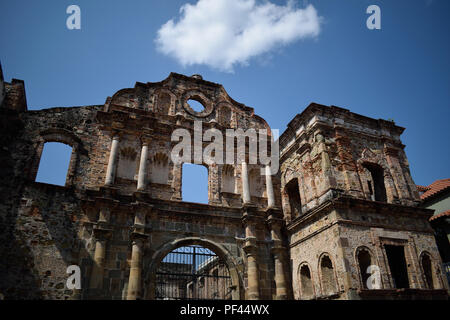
397, 265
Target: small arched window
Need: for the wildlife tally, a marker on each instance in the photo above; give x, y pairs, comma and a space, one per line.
293, 193
375, 182
328, 279
364, 262
306, 284
427, 268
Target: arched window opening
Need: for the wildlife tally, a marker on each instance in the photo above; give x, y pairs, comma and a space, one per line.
159, 169
306, 284
375, 182
293, 193
193, 272
364, 261
54, 163
194, 183
228, 179
427, 267
328, 278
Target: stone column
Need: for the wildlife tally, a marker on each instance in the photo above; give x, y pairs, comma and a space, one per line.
269, 188
142, 167
245, 185
251, 251
134, 282
101, 234
96, 281
278, 253
280, 278
112, 163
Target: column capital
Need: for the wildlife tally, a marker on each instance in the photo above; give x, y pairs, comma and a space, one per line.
138, 237
116, 134
101, 233
250, 247
278, 249
145, 140
248, 208
248, 218
275, 224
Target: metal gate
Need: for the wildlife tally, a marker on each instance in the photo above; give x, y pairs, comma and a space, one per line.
192, 272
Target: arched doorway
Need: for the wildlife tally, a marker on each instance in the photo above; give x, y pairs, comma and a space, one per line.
192, 268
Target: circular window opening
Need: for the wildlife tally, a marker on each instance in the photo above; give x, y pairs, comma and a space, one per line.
195, 105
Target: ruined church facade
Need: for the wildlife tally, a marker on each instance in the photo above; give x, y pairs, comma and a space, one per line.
342, 201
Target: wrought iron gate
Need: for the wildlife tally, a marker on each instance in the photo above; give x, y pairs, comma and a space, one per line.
192, 272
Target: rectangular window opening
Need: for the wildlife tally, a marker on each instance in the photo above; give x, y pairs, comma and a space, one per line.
397, 265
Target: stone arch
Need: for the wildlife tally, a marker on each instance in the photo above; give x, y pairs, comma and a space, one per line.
363, 258
218, 249
368, 157
375, 178
327, 275
430, 275
288, 175
305, 281
123, 97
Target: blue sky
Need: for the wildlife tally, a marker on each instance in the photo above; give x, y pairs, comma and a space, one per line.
401, 72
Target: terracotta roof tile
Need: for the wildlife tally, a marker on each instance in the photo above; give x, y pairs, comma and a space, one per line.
440, 215
434, 188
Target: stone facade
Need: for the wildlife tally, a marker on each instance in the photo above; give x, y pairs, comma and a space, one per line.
356, 195
121, 210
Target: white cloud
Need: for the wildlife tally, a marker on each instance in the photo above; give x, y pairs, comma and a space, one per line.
222, 33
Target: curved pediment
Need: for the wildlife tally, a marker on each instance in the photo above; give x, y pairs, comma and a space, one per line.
171, 97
